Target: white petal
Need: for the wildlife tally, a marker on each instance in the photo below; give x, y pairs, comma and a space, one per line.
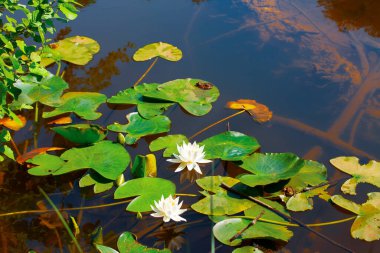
180, 167
205, 161
197, 169
173, 160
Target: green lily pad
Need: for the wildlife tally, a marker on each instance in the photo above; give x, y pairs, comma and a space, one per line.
256, 209
100, 183
47, 91
269, 168
222, 202
247, 249
229, 146
128, 243
303, 201
144, 166
46, 164
5, 136
158, 49
138, 127
78, 50
368, 173
148, 190
169, 143
226, 229
82, 133
147, 108
187, 94
84, 104
367, 224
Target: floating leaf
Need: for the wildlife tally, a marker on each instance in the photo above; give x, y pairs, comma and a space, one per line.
78, 50
147, 107
5, 136
222, 202
247, 249
193, 99
229, 146
303, 201
127, 243
138, 127
148, 190
260, 112
269, 168
100, 183
169, 143
367, 224
46, 91
158, 49
144, 166
13, 124
61, 121
368, 173
226, 229
24, 157
82, 133
46, 164
84, 104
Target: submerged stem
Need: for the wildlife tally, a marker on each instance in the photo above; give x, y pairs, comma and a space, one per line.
146, 72
15, 147
216, 123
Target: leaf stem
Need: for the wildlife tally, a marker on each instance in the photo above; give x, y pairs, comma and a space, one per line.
186, 194
58, 68
216, 123
146, 72
15, 147
62, 219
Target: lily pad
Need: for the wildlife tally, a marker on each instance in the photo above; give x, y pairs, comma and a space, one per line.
78, 50
230, 146
144, 166
226, 229
368, 173
148, 108
147, 190
158, 49
367, 224
82, 133
269, 168
169, 143
247, 249
84, 104
46, 164
100, 183
138, 127
187, 94
303, 201
47, 91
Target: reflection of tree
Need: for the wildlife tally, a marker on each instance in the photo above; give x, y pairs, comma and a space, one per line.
354, 14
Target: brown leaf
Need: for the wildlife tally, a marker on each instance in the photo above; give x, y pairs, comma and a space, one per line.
259, 112
61, 121
24, 157
12, 124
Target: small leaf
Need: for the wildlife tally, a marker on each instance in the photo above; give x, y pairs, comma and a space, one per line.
13, 124
260, 112
367, 224
46, 164
61, 121
84, 104
368, 173
269, 168
138, 127
105, 249
82, 133
229, 146
24, 157
148, 190
144, 166
100, 183
247, 249
169, 143
127, 243
158, 49
303, 201
185, 92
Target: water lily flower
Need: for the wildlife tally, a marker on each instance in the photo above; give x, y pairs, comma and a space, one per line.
168, 208
189, 156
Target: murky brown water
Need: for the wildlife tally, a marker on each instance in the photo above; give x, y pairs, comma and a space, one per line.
316, 64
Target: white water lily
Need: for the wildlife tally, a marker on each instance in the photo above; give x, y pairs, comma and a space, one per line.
168, 208
189, 156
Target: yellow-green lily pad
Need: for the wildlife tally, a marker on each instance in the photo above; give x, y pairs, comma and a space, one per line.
158, 49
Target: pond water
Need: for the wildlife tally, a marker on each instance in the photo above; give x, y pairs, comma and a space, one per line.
315, 64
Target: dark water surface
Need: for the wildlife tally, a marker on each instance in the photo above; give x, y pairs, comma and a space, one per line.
315, 64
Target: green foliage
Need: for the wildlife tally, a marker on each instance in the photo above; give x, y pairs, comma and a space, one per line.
144, 166
229, 146
5, 137
158, 49
128, 243
83, 104
269, 168
367, 223
303, 201
148, 190
247, 249
82, 133
169, 143
101, 184
138, 127
368, 173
